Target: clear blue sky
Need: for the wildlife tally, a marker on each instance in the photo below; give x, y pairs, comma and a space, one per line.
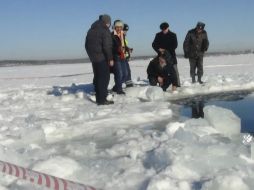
50, 29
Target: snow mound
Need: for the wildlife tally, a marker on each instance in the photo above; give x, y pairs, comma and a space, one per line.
58, 166
154, 93
166, 183
223, 120
232, 182
148, 93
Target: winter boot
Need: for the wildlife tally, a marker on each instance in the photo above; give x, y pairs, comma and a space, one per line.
193, 79
106, 102
200, 81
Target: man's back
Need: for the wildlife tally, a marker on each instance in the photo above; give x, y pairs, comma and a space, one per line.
98, 42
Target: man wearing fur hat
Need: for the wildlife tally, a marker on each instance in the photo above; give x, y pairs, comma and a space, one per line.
195, 45
167, 41
98, 46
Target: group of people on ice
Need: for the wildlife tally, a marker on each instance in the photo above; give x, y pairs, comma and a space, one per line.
109, 53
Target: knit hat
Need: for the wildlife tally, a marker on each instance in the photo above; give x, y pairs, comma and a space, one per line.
105, 18
118, 23
164, 26
200, 25
125, 27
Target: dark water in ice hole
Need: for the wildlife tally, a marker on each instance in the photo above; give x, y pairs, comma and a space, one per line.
240, 102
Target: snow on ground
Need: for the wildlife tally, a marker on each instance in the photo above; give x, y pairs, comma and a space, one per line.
141, 142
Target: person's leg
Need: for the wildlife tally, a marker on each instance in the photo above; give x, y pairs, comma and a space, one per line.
193, 69
94, 78
128, 82
124, 71
200, 69
177, 83
167, 81
102, 77
118, 76
153, 81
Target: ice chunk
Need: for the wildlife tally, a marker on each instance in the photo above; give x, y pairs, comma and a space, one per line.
150, 93
171, 128
232, 182
185, 136
58, 166
154, 93
165, 183
181, 171
223, 120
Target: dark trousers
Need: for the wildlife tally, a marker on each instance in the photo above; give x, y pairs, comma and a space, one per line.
101, 80
196, 63
166, 82
176, 81
120, 74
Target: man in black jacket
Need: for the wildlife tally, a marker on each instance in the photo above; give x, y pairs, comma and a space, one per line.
194, 46
98, 46
160, 71
167, 40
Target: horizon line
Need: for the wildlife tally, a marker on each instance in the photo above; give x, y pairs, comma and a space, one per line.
134, 57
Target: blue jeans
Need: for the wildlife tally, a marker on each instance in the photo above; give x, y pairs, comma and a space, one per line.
120, 70
128, 81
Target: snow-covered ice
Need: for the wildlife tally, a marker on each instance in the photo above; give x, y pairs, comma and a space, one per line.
48, 123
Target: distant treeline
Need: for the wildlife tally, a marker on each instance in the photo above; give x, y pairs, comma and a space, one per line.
86, 60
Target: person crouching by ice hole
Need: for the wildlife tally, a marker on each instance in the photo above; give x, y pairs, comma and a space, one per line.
161, 72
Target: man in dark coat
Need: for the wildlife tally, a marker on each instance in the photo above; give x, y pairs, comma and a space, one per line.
98, 46
195, 45
160, 71
167, 40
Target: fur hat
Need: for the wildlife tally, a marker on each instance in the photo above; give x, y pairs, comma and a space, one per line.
118, 23
105, 18
200, 25
164, 26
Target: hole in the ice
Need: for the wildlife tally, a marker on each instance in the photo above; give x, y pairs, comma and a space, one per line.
240, 102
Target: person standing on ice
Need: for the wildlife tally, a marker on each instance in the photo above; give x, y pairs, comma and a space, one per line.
98, 45
167, 40
161, 71
195, 45
120, 67
128, 52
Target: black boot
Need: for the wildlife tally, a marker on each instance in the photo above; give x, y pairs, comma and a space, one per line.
200, 81
193, 79
106, 102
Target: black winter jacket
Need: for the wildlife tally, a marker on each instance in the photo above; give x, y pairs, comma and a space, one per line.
165, 41
117, 48
98, 42
154, 69
195, 45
